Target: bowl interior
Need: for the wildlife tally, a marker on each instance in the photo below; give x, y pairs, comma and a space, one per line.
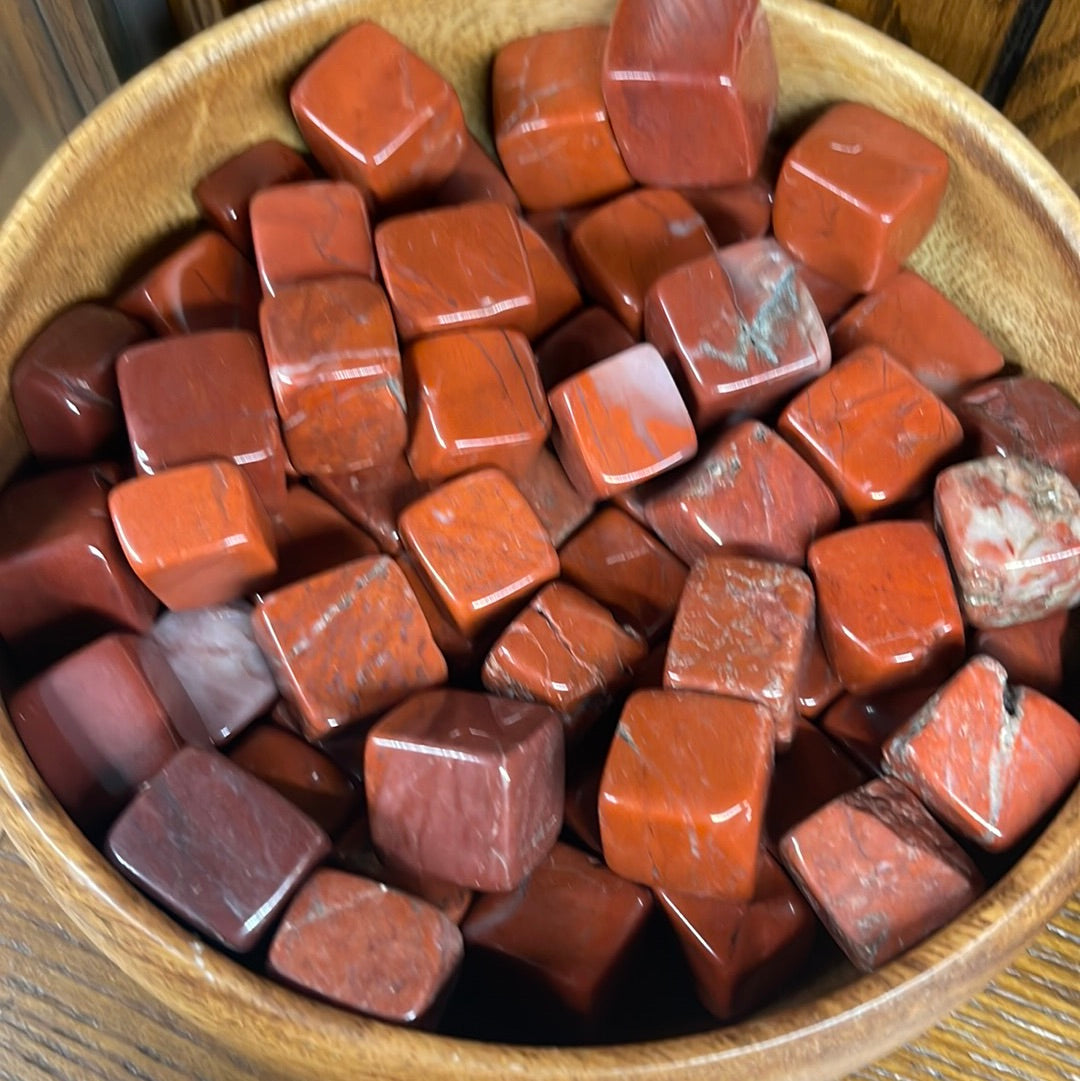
1006, 249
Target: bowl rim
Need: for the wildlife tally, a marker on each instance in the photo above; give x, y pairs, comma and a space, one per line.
836, 1032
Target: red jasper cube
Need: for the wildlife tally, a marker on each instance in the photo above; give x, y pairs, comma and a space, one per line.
862, 726
748, 493
872, 430
377, 115
551, 127
740, 327
887, 611
1032, 653
463, 653
347, 644
475, 400
475, 178
857, 193
336, 374
879, 871
487, 284
736, 212
491, 771
592, 335
199, 396
922, 330
556, 291
831, 298
691, 89
306, 232
560, 507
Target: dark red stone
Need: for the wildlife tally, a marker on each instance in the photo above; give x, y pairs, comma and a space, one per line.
819, 686
463, 654
862, 725
1032, 653
557, 293
735, 213
554, 228
592, 335
475, 178
831, 298
560, 507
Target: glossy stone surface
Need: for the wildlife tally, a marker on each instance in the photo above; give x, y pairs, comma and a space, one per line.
491, 773
683, 792
193, 397
375, 114
563, 939
872, 430
206, 284
195, 535
550, 123
554, 228
63, 383
921, 329
100, 722
743, 629
462, 653
195, 839
747, 493
622, 247
305, 776
624, 567
410, 950
63, 574
475, 178
620, 422
560, 507
1012, 528
831, 298
566, 651
486, 284
863, 725
879, 871
224, 194
581, 816
475, 400
306, 232
887, 612
1032, 653
691, 89
336, 374
479, 545
740, 327
736, 212
819, 685
592, 335
1024, 417
212, 652
743, 953
987, 758
346, 644
556, 291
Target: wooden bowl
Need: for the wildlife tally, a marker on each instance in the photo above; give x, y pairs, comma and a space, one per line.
1006, 249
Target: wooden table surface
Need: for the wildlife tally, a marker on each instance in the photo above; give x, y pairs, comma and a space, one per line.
68, 1014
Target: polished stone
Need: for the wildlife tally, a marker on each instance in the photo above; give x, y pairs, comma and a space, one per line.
463, 654
560, 507
819, 686
736, 212
1033, 654
554, 228
475, 178
831, 298
557, 293
862, 725
592, 335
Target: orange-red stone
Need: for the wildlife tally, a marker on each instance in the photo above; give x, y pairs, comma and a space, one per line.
592, 335
556, 291
560, 507
554, 228
463, 654
475, 177
819, 685
683, 792
857, 193
1032, 653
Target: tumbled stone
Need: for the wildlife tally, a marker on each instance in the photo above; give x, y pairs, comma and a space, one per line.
475, 178
626, 568
206, 284
1012, 528
224, 194
63, 383
922, 330
410, 950
348, 643
102, 721
213, 654
556, 291
621, 422
560, 507
740, 327
887, 612
683, 792
193, 397
581, 815
550, 123
592, 335
306, 232
819, 686
475, 400
872, 430
734, 213
690, 89
862, 726
63, 574
989, 759
491, 771
743, 953
336, 374
857, 193
747, 493
375, 114
879, 871
562, 941
195, 535
1032, 653
486, 284
831, 298
195, 839
554, 228
622, 247
743, 629
463, 654
479, 546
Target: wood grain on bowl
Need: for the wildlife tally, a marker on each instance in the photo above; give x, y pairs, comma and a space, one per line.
1006, 250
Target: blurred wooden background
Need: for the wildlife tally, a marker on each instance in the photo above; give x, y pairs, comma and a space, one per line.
58, 58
